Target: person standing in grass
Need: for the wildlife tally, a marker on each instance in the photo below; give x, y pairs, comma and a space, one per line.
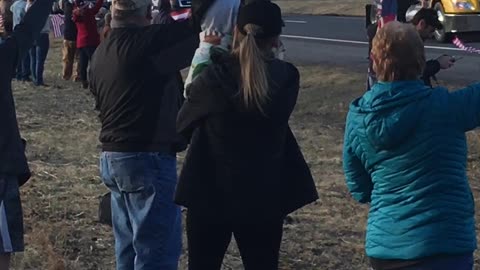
138, 97
18, 9
244, 171
14, 169
39, 51
88, 37
69, 50
405, 153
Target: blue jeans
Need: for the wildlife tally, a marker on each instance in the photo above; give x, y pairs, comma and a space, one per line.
38, 55
146, 221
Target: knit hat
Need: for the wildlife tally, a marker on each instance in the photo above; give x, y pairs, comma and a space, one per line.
265, 14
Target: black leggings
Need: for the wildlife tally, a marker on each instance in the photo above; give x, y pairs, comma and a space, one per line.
86, 54
208, 240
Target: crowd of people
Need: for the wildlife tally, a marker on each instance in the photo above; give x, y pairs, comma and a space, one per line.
404, 149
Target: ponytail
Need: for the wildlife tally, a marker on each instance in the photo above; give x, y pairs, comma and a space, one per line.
254, 80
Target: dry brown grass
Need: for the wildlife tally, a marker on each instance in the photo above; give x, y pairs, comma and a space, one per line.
61, 200
323, 7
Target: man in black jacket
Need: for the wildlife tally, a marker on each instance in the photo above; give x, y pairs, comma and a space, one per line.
426, 22
134, 78
13, 163
69, 50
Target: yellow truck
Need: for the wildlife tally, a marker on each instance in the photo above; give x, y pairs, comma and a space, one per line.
457, 16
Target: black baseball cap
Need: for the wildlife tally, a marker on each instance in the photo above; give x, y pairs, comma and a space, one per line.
430, 16
265, 14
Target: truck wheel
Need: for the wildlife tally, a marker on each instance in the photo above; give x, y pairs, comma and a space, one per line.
441, 35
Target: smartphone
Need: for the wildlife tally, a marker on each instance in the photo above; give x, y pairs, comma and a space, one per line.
455, 59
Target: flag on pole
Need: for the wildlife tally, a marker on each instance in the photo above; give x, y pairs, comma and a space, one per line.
387, 12
57, 21
1, 21
459, 44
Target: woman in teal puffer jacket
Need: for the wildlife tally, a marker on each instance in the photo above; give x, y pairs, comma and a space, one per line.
405, 153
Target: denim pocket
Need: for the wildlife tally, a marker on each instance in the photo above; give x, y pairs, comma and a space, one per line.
129, 171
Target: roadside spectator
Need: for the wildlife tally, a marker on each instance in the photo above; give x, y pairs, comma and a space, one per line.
18, 9
39, 51
405, 153
70, 52
138, 97
14, 169
426, 22
88, 37
244, 171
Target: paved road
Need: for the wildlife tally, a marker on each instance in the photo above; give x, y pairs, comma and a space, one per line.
342, 41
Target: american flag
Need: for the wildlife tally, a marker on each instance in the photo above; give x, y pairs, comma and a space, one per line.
387, 12
57, 21
1, 22
459, 44
180, 15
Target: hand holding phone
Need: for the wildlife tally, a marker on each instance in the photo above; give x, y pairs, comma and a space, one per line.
446, 61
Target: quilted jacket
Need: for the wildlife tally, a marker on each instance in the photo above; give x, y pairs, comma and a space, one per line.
405, 153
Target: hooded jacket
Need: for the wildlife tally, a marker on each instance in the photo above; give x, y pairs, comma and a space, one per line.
405, 153
242, 164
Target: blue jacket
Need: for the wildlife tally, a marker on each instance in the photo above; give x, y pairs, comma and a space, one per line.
405, 153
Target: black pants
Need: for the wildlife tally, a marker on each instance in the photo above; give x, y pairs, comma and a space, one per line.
208, 240
86, 54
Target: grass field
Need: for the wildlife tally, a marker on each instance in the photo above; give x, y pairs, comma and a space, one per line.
324, 7
61, 200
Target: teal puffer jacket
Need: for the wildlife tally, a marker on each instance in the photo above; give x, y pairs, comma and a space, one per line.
405, 153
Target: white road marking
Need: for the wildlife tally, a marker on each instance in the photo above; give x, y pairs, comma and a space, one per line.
326, 39
293, 21
358, 42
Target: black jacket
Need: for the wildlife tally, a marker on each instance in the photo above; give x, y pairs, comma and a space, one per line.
12, 154
135, 80
242, 164
70, 29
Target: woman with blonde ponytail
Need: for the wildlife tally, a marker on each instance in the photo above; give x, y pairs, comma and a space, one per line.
244, 171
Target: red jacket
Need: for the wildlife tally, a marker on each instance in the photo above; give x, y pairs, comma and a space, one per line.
87, 32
